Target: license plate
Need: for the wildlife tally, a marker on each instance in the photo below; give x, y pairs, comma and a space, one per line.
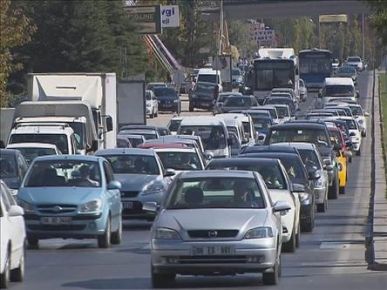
128, 205
56, 220
213, 251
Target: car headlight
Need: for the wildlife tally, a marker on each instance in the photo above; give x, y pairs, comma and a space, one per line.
360, 121
259, 233
152, 188
91, 206
319, 183
28, 208
304, 196
166, 234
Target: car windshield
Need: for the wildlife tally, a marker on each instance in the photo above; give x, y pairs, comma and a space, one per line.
174, 125
207, 78
60, 140
356, 110
216, 192
64, 173
180, 160
261, 123
30, 153
316, 136
347, 69
354, 59
133, 164
310, 159
282, 112
338, 90
8, 166
237, 102
351, 124
213, 137
293, 166
165, 92
272, 175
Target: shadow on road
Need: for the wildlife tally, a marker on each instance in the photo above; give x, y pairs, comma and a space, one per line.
119, 283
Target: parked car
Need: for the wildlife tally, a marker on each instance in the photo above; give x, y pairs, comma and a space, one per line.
208, 215
168, 100
12, 238
71, 197
142, 176
13, 167
203, 96
152, 105
32, 150
280, 188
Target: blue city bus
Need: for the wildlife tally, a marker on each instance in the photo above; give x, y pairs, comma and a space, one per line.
315, 65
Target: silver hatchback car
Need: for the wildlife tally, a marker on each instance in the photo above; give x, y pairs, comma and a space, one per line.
218, 222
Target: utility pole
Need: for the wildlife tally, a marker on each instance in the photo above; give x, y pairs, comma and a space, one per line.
221, 20
363, 35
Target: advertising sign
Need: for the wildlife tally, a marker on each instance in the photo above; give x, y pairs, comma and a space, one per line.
147, 17
170, 16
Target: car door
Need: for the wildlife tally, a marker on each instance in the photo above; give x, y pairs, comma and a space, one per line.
114, 195
15, 225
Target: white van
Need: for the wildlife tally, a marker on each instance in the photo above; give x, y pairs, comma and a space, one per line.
213, 132
210, 75
337, 88
60, 135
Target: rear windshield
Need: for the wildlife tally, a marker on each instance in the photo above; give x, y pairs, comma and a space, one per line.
60, 140
208, 78
165, 92
308, 135
133, 164
338, 90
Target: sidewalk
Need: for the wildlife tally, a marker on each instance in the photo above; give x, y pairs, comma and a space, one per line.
380, 208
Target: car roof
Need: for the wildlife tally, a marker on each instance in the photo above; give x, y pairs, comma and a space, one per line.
138, 126
169, 140
300, 124
298, 145
175, 149
216, 173
151, 145
339, 81
68, 157
131, 136
139, 131
208, 71
31, 145
242, 161
231, 116
202, 120
269, 148
125, 151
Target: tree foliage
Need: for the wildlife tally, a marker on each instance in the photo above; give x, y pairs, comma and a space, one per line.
379, 18
15, 30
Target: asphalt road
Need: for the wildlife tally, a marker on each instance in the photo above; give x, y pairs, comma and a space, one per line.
332, 257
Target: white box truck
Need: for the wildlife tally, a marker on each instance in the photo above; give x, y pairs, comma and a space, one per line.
85, 101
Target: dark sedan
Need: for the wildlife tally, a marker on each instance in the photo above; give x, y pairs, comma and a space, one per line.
168, 100
203, 96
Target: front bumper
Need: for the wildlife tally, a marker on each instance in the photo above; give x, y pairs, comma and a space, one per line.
80, 227
249, 256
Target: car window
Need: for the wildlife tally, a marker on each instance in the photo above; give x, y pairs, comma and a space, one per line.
8, 166
216, 192
180, 160
133, 164
108, 172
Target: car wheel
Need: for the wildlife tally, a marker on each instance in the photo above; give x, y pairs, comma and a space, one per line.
322, 207
358, 153
162, 280
17, 275
4, 277
290, 247
191, 108
104, 240
152, 114
272, 278
116, 236
334, 190
157, 113
364, 134
298, 236
33, 243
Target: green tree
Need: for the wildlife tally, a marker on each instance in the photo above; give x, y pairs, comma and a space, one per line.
15, 30
379, 18
239, 35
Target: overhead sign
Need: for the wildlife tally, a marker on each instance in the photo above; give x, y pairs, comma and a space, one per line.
146, 17
170, 16
333, 18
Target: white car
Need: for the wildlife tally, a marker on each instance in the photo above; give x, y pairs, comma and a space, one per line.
356, 62
152, 105
360, 117
32, 150
354, 133
13, 236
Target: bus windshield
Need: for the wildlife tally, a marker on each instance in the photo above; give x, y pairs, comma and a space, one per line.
312, 62
274, 74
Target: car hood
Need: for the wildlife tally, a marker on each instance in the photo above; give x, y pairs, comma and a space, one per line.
219, 219
59, 195
134, 182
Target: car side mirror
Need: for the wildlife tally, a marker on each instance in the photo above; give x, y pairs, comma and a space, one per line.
169, 172
109, 123
114, 184
281, 207
151, 207
15, 211
298, 187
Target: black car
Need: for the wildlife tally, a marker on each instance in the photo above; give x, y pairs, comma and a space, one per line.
315, 132
13, 167
301, 180
283, 101
203, 96
168, 100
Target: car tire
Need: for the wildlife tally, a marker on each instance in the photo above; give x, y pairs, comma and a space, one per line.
17, 275
307, 226
5, 276
298, 236
33, 243
272, 278
116, 236
364, 134
162, 280
190, 108
334, 190
358, 153
151, 115
322, 207
157, 113
104, 239
290, 246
